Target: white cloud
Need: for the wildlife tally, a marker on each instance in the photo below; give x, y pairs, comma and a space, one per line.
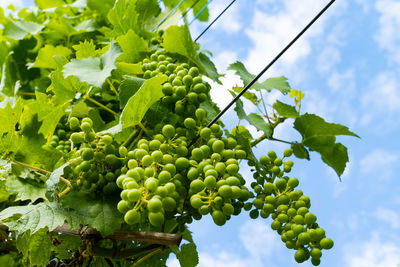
388, 37
389, 216
328, 58
6, 3
373, 253
381, 102
224, 59
256, 249
270, 32
230, 22
379, 162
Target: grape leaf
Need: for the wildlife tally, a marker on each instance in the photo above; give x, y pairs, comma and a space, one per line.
100, 211
141, 101
129, 86
300, 151
4, 193
279, 83
64, 88
260, 124
199, 7
320, 136
36, 248
25, 190
17, 30
209, 66
45, 58
39, 216
123, 17
100, 6
285, 110
133, 46
85, 49
129, 68
177, 40
187, 254
146, 10
54, 179
10, 116
44, 4
93, 70
248, 95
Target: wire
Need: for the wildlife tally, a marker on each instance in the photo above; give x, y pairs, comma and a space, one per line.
201, 11
268, 66
167, 16
187, 10
220, 14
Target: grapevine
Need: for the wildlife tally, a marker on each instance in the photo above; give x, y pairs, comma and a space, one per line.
107, 154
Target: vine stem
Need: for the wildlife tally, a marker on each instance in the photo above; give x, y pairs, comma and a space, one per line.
263, 137
139, 261
67, 182
101, 105
112, 87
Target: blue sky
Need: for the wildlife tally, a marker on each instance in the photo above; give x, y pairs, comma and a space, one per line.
348, 66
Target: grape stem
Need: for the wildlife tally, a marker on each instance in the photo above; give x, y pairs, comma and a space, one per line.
139, 261
101, 105
263, 137
67, 182
112, 87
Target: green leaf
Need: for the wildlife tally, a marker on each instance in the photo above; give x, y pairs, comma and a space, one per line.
64, 88
100, 211
92, 70
85, 49
240, 110
10, 116
204, 14
320, 136
54, 179
300, 151
280, 83
39, 216
133, 46
146, 10
260, 124
123, 17
187, 255
36, 248
141, 101
68, 244
177, 40
209, 66
101, 6
129, 68
248, 95
285, 110
4, 193
19, 29
25, 189
129, 86
44, 4
45, 58
211, 108
48, 113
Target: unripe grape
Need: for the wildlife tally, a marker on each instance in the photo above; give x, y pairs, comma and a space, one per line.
218, 217
288, 152
300, 255
196, 202
315, 261
77, 138
316, 253
154, 205
123, 151
193, 72
281, 184
156, 218
326, 243
134, 195
123, 206
200, 114
168, 131
132, 217
225, 191
169, 204
310, 218
73, 123
107, 140
197, 185
181, 163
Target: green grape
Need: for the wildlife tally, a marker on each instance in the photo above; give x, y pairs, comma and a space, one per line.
151, 184
272, 155
74, 123
301, 255
154, 205
193, 72
156, 218
197, 185
134, 195
293, 182
219, 217
123, 206
77, 138
232, 169
316, 253
280, 184
107, 140
132, 217
326, 243
182, 163
288, 152
210, 182
277, 162
304, 238
225, 191
168, 131
310, 218
315, 261
169, 204
196, 202
201, 114
218, 146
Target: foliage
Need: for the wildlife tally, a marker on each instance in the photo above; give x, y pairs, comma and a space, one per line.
104, 125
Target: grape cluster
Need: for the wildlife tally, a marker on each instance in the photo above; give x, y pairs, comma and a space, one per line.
289, 209
96, 163
60, 140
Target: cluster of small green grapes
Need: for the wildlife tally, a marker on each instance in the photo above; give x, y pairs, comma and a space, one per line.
289, 208
60, 139
96, 163
163, 172
184, 90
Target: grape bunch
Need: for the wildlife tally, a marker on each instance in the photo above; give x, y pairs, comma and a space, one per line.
289, 208
60, 140
96, 163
